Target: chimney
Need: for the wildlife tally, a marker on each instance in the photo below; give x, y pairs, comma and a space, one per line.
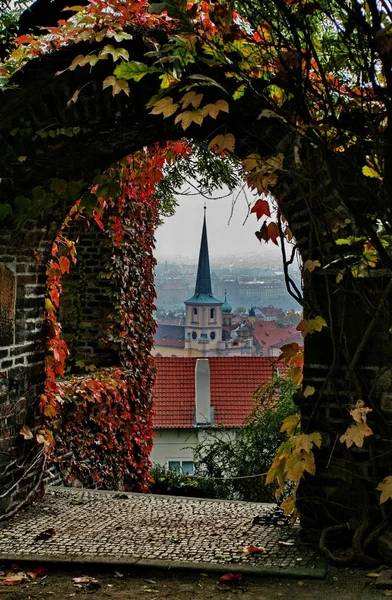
202, 392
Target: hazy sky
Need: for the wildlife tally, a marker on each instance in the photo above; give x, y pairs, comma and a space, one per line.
180, 234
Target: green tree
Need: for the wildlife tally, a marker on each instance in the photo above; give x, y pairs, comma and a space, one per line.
238, 463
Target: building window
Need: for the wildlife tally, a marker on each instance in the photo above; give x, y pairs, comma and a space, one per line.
194, 335
186, 467
195, 311
212, 335
212, 313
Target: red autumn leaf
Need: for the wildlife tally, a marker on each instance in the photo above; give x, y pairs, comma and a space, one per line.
261, 208
64, 264
231, 578
40, 571
254, 549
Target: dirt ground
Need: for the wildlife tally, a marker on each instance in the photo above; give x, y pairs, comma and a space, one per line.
140, 584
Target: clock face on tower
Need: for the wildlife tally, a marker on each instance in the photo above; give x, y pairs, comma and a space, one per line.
212, 335
194, 335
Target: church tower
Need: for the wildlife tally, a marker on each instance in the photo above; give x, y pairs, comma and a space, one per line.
203, 312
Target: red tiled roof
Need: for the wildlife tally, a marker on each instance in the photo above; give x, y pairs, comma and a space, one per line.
233, 381
267, 333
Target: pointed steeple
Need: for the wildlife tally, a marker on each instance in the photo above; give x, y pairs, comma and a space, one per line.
203, 279
203, 288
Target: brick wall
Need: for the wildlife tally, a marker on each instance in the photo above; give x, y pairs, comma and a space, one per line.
86, 305
22, 278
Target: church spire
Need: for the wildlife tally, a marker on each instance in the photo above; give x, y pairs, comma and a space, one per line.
203, 279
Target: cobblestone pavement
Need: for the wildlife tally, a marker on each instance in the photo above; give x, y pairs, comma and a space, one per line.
168, 531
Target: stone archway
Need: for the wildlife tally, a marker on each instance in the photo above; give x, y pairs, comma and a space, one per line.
101, 128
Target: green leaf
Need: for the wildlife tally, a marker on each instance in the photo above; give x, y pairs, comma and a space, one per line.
59, 186
133, 70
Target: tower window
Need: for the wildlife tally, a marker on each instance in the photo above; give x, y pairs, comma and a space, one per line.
212, 313
195, 311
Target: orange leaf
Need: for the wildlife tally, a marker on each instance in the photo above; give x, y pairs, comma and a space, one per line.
64, 264
261, 208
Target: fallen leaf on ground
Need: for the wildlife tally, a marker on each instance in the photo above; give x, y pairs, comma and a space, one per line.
45, 535
85, 580
13, 578
253, 549
388, 593
231, 578
372, 574
121, 496
286, 543
118, 574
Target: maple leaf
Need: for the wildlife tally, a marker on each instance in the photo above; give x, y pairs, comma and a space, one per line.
118, 85
306, 326
191, 98
288, 351
165, 106
309, 391
305, 441
355, 434
213, 109
26, 432
288, 504
261, 208
385, 487
296, 374
310, 265
359, 413
188, 117
290, 424
277, 471
64, 264
370, 172
223, 142
116, 53
133, 70
167, 79
50, 411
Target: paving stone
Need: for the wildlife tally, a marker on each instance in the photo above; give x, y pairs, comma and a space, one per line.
184, 531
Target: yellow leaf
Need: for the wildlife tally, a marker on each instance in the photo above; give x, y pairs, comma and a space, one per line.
26, 432
290, 424
116, 53
370, 172
316, 438
167, 80
214, 109
296, 374
74, 98
49, 306
277, 471
251, 162
319, 323
166, 106
359, 413
294, 467
288, 504
310, 265
191, 98
385, 487
118, 85
309, 391
188, 117
224, 142
21, 159
303, 442
355, 434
